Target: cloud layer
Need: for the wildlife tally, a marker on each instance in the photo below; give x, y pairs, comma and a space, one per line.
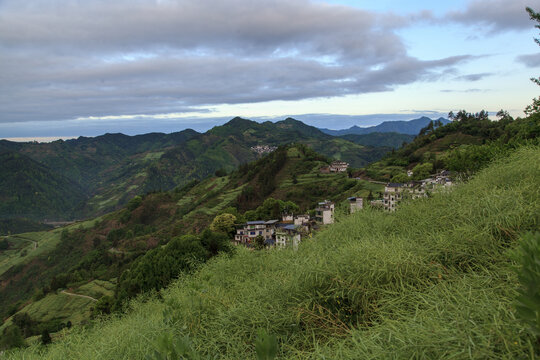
64, 60
75, 59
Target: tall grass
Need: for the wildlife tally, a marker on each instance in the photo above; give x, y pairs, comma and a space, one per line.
432, 280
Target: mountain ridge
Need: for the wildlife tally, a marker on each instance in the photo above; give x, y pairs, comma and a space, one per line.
410, 127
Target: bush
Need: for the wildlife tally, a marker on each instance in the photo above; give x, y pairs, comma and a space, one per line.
528, 301
11, 338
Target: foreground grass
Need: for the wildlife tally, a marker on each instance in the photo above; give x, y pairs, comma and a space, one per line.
432, 280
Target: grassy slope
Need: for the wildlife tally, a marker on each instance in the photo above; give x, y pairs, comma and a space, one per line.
168, 216
432, 280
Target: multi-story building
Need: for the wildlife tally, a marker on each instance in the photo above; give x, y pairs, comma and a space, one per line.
355, 204
249, 231
395, 192
338, 166
324, 213
287, 235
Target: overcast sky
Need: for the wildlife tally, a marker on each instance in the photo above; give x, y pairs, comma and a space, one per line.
86, 67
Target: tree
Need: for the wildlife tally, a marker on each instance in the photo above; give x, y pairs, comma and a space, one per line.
11, 338
399, 178
103, 306
422, 171
4, 244
46, 337
224, 223
370, 196
259, 242
534, 108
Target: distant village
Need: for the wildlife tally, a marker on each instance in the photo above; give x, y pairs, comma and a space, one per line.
263, 149
291, 229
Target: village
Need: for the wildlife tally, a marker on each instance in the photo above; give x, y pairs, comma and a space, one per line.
291, 229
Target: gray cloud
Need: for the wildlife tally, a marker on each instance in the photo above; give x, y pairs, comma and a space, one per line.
529, 60
494, 15
473, 77
465, 90
64, 60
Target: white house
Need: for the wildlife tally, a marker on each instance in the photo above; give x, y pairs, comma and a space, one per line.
338, 166
355, 204
324, 213
287, 235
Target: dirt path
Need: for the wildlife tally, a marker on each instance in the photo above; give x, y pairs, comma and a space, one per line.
83, 296
26, 239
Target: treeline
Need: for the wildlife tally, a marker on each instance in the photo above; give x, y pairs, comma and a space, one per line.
21, 225
30, 189
261, 175
493, 138
158, 267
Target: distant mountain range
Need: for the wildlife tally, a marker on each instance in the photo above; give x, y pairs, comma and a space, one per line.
411, 127
86, 177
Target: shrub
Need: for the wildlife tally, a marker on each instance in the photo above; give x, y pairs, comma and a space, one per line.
527, 304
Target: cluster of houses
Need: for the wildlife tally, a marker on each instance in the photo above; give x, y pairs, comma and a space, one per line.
291, 228
395, 192
335, 167
274, 232
263, 149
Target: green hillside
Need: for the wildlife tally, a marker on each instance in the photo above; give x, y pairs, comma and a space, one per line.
109, 170
228, 146
432, 280
20, 225
104, 248
379, 139
465, 145
30, 189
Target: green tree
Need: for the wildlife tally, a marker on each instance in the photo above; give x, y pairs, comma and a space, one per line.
11, 338
534, 108
527, 256
224, 223
46, 337
215, 242
4, 244
259, 242
422, 171
103, 306
400, 178
134, 203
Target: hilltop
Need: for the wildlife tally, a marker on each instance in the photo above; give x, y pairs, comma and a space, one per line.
410, 127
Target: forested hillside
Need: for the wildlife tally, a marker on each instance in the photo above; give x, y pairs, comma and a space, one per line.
465, 145
109, 170
30, 189
106, 248
431, 280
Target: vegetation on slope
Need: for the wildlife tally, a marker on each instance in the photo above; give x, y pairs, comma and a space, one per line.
20, 225
117, 243
431, 280
111, 169
30, 189
465, 145
391, 140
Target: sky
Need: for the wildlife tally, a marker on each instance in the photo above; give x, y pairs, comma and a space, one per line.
88, 67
